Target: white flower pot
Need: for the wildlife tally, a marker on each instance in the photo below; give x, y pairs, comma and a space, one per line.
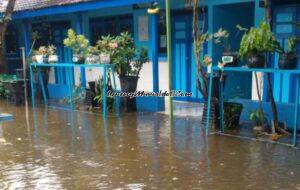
40, 59
53, 59
104, 58
92, 59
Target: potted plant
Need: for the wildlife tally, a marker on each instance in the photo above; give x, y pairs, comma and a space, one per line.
288, 57
228, 56
92, 55
52, 56
232, 114
128, 62
79, 45
98, 96
259, 120
256, 42
41, 55
107, 47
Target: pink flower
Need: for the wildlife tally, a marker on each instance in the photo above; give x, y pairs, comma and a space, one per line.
113, 45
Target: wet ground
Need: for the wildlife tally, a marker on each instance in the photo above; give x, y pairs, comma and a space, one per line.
58, 149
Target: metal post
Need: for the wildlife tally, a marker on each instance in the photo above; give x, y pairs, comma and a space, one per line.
117, 99
221, 103
209, 102
104, 97
169, 53
24, 76
69, 79
296, 111
41, 81
32, 86
154, 44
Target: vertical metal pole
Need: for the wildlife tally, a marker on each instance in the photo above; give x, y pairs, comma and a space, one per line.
32, 86
117, 99
296, 111
69, 79
169, 53
209, 102
24, 76
104, 97
221, 103
41, 81
154, 44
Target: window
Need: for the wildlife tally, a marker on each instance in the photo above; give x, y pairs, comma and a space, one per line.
11, 40
110, 26
162, 33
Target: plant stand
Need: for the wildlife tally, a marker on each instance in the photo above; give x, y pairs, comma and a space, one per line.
241, 69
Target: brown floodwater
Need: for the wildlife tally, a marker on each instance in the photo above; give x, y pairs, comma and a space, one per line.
59, 149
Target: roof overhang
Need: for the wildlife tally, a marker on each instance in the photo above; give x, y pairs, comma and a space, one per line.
78, 7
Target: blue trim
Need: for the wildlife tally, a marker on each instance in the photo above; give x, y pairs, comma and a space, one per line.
78, 7
26, 32
154, 44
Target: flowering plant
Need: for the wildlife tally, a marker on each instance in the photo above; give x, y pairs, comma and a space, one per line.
124, 55
207, 61
221, 38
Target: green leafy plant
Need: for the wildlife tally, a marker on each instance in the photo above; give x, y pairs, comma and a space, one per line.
257, 118
258, 40
128, 60
78, 43
99, 94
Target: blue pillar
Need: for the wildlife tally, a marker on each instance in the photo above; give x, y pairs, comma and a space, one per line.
79, 30
154, 45
26, 33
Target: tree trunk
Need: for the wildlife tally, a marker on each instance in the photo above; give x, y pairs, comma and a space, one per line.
3, 26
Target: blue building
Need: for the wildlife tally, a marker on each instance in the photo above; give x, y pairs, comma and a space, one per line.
92, 18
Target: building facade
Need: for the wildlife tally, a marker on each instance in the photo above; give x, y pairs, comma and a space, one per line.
52, 19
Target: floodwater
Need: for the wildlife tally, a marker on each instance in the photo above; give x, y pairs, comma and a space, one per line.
59, 149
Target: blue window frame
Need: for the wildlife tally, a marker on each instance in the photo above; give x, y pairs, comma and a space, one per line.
110, 26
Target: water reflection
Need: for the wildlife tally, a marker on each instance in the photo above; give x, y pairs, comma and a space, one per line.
74, 150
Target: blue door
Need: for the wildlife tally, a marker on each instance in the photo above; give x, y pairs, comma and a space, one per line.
184, 65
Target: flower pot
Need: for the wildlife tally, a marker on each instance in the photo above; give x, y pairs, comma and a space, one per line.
78, 59
129, 84
92, 85
232, 114
104, 58
287, 61
41, 59
92, 59
256, 60
53, 59
230, 58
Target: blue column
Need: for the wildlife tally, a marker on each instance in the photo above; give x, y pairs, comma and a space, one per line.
26, 33
79, 30
154, 45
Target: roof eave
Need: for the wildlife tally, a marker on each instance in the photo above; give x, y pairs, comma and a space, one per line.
72, 8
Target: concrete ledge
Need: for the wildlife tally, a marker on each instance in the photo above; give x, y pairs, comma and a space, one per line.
286, 111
